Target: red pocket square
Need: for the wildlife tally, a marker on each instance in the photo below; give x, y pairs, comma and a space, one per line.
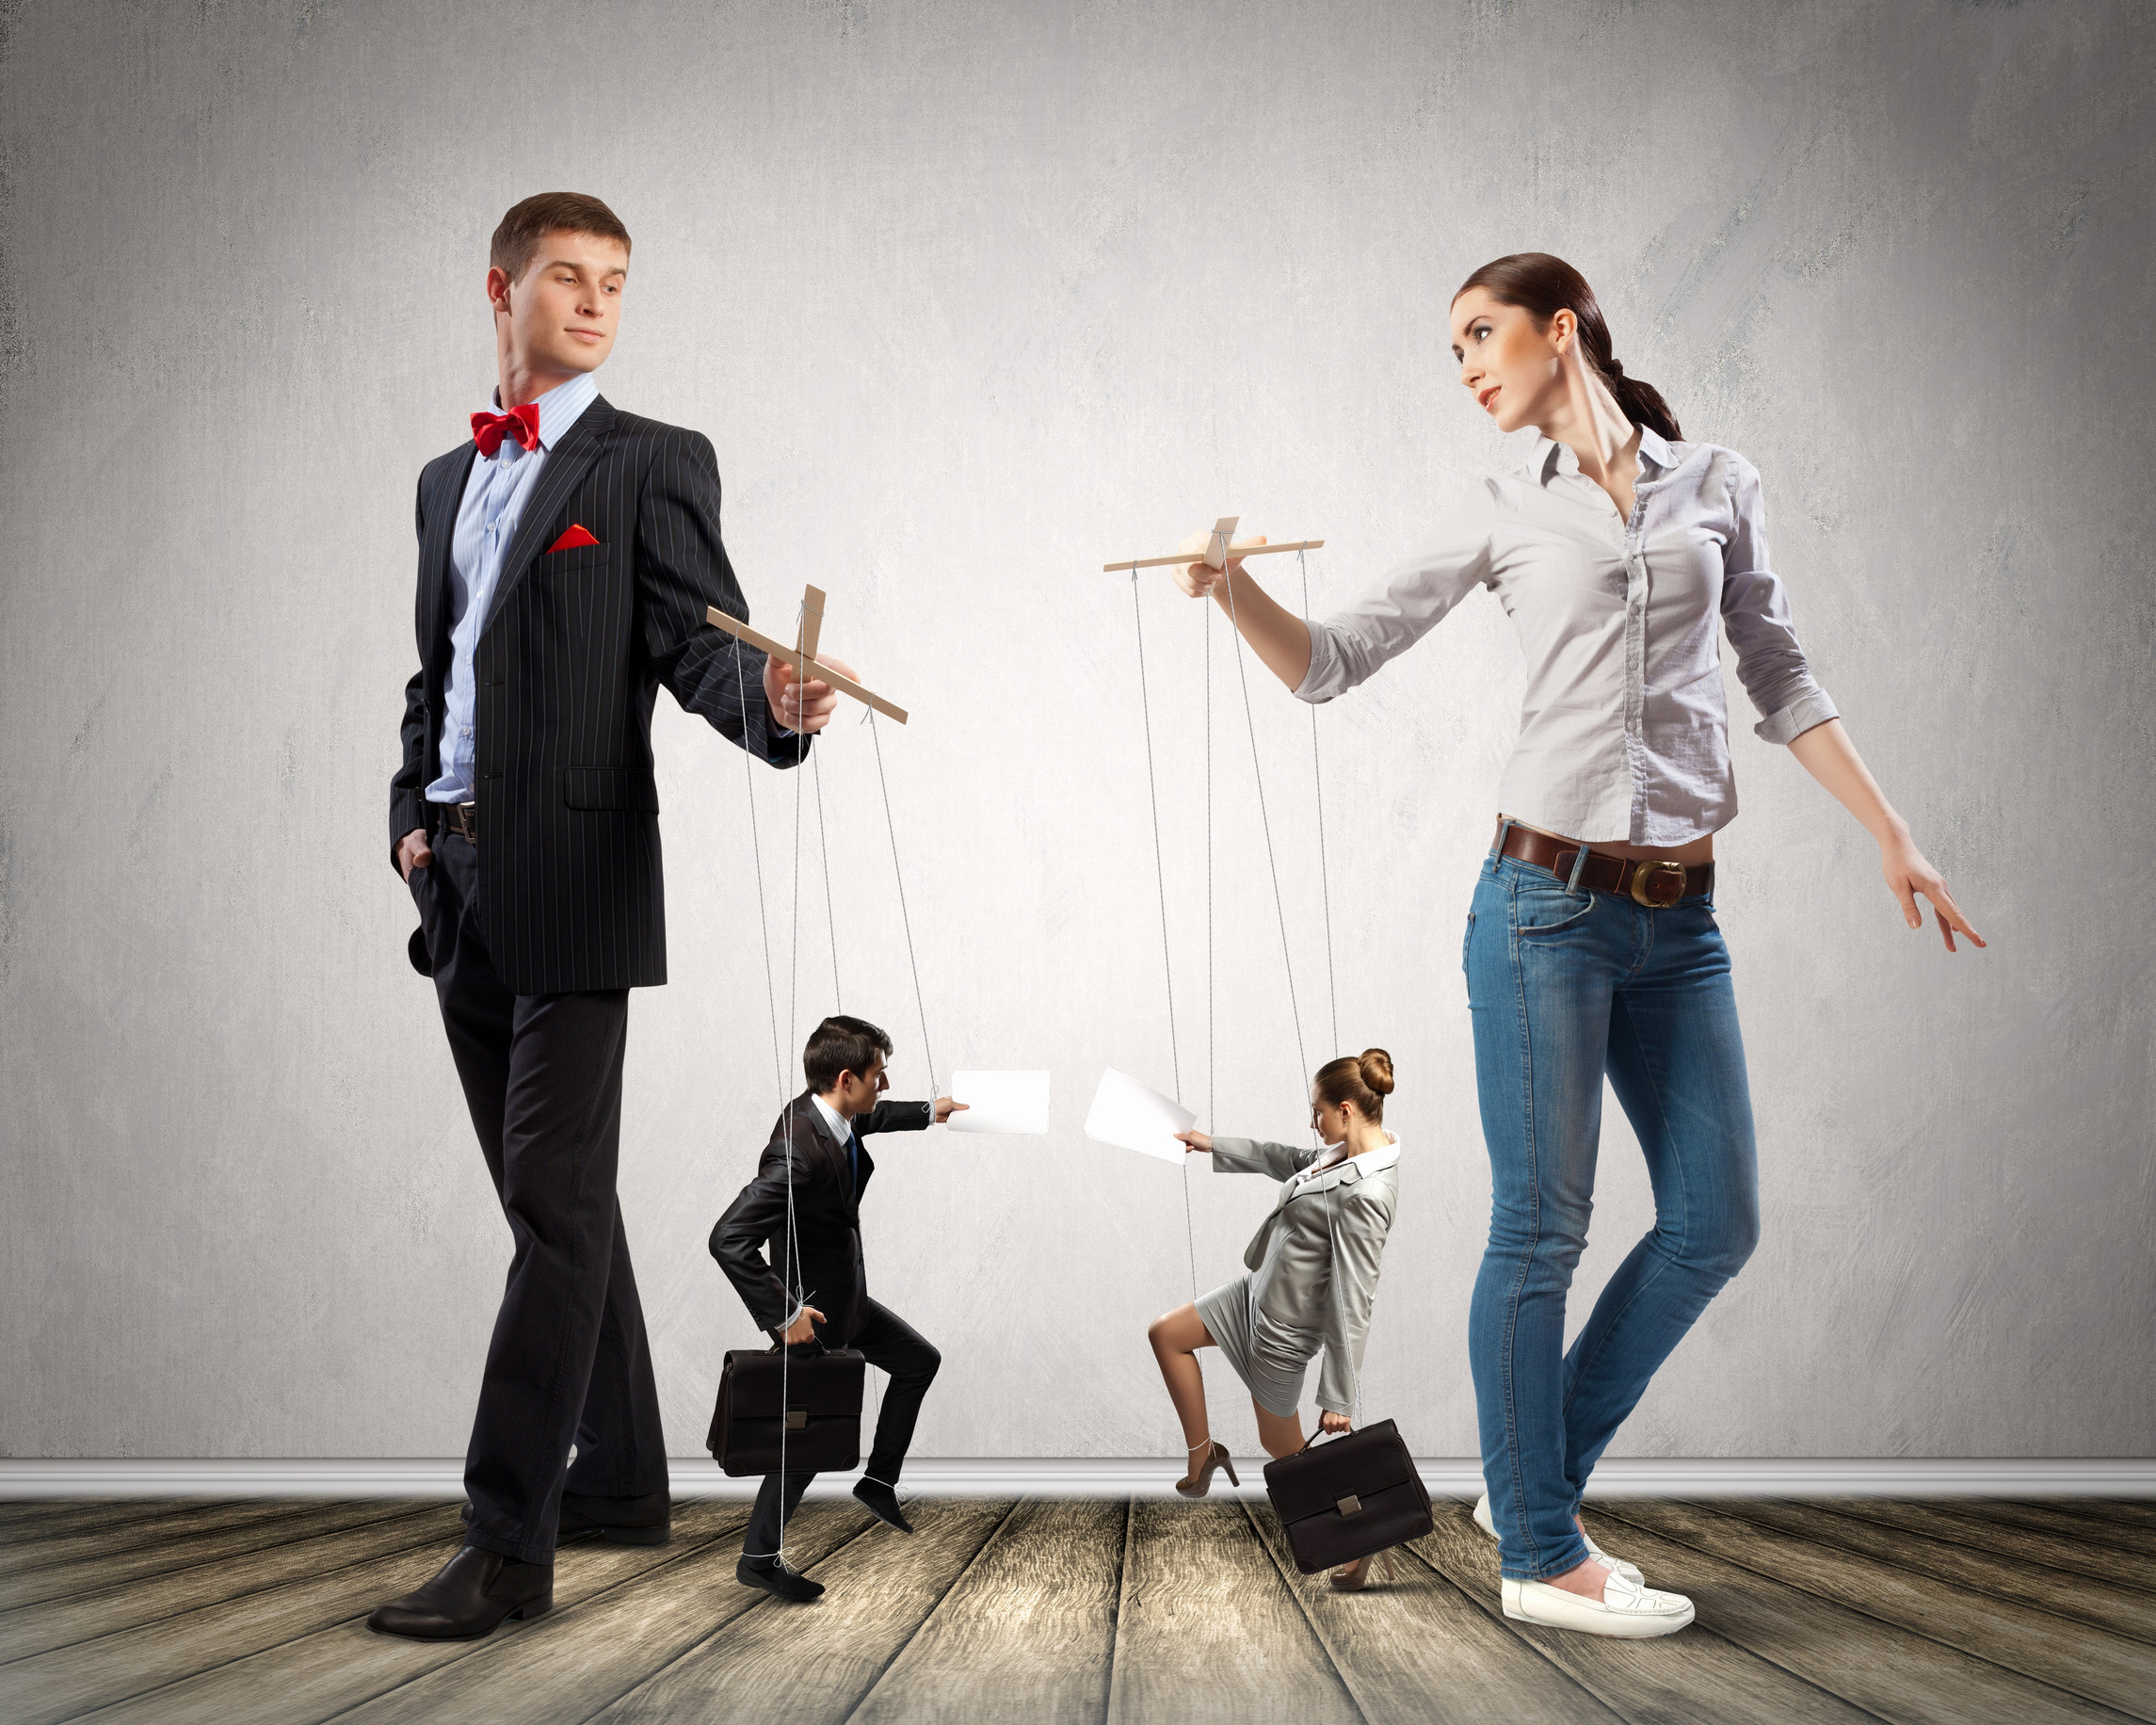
574, 538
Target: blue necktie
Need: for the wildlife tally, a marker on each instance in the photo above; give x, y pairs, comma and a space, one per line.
853, 1159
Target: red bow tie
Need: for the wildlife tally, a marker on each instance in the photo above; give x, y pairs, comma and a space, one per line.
488, 429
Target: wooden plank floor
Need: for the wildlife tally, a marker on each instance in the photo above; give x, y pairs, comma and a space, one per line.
1941, 1612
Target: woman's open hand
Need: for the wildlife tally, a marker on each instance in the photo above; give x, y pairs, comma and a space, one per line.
1907, 874
1196, 1143
1827, 753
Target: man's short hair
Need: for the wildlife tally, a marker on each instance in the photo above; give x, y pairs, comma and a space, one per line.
517, 240
841, 1045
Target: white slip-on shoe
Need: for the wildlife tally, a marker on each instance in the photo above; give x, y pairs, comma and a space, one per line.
1629, 1571
1625, 1608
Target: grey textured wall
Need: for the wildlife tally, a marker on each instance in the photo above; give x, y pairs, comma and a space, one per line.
972, 299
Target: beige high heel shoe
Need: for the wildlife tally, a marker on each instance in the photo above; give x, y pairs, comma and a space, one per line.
1216, 1456
1353, 1577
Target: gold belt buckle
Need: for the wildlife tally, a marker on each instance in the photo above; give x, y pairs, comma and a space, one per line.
1664, 870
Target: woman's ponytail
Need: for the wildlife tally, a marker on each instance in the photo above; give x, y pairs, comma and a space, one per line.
1642, 403
1543, 285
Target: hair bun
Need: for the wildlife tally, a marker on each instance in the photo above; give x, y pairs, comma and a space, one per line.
1377, 1071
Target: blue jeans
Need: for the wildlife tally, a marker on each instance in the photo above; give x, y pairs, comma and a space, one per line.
1566, 986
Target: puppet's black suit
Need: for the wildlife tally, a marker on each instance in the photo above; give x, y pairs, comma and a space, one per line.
535, 934
824, 1177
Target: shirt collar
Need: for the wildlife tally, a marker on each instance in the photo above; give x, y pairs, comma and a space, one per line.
560, 408
842, 1128
1546, 456
1657, 448
1369, 1162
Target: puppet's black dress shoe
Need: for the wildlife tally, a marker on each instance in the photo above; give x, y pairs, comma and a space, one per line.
881, 1502
774, 1576
473, 1592
624, 1520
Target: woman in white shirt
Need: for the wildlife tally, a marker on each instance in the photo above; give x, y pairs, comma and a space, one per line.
1616, 548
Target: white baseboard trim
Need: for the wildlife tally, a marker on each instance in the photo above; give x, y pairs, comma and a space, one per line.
1115, 1476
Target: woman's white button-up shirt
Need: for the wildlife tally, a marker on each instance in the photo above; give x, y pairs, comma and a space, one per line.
1623, 729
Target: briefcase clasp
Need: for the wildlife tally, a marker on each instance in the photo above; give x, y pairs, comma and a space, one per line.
1350, 1505
797, 1419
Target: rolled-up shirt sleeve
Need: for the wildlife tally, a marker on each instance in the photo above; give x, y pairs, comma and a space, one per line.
1755, 611
1451, 560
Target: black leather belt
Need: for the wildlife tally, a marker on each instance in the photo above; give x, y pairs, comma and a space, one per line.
462, 818
1657, 884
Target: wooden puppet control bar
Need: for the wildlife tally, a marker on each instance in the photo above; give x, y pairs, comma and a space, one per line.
803, 657
1218, 551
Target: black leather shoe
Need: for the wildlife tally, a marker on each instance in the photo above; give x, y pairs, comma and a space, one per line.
881, 1502
473, 1592
623, 1521
775, 1577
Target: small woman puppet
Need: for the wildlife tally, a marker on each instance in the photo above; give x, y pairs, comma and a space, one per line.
1313, 1274
1622, 553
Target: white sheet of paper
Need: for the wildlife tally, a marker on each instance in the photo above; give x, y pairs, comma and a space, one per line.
1000, 1101
1127, 1114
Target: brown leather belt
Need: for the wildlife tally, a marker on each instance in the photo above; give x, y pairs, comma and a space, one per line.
462, 818
1655, 884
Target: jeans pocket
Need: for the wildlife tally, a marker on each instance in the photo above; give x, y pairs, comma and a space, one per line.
1539, 914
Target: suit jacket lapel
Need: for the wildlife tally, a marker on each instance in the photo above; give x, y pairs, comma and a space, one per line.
442, 506
1291, 1190
821, 1140
566, 465
1365, 1167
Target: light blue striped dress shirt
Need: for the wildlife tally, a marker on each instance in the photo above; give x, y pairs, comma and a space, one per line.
494, 494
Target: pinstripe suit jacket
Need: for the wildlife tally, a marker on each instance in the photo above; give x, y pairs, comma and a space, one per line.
566, 670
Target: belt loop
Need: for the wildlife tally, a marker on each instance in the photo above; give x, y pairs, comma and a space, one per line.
1504, 832
1579, 867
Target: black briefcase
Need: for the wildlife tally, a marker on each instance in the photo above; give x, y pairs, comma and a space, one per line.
1347, 1497
818, 1420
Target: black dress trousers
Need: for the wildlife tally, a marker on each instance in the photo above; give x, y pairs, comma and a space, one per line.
893, 1346
568, 1362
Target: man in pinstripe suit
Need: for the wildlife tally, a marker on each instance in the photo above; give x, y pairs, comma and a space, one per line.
567, 555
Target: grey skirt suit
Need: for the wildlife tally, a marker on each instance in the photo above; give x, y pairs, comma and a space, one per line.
1312, 1273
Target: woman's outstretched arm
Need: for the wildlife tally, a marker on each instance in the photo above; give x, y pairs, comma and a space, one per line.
1827, 754
1318, 660
1276, 633
1248, 1156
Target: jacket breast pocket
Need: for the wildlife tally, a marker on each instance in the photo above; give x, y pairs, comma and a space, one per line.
632, 788
577, 557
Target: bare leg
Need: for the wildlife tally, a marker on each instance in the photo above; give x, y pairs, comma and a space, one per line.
1176, 1339
1279, 1437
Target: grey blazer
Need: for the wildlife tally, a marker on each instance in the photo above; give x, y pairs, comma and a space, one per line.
1291, 1256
